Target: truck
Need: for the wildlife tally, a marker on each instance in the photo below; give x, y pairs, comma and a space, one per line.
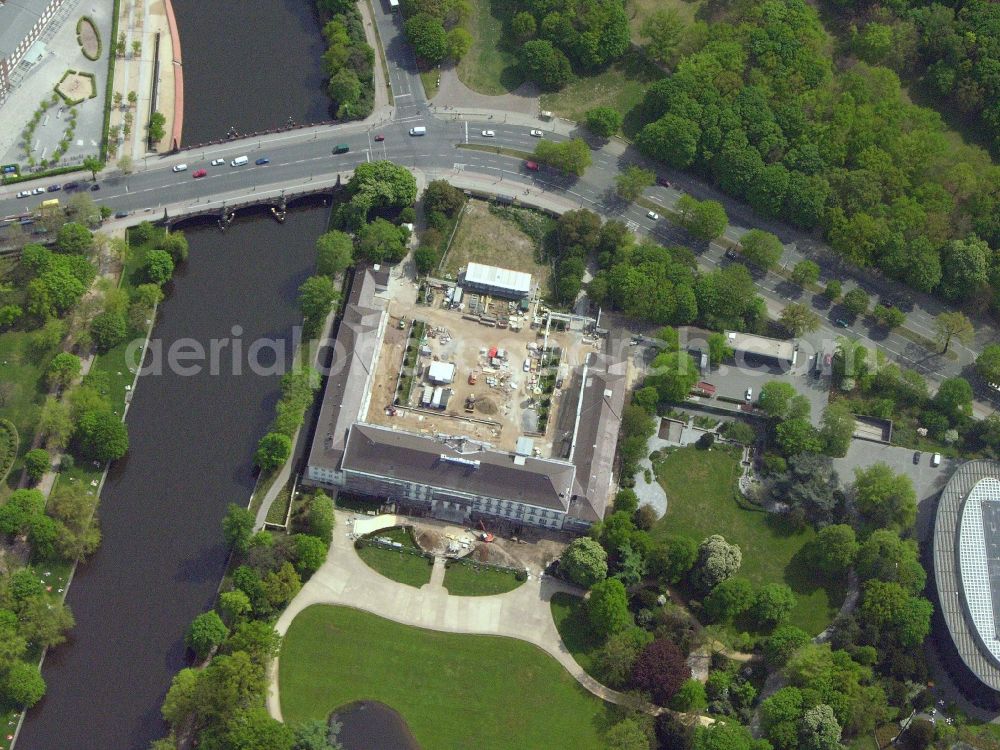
52, 204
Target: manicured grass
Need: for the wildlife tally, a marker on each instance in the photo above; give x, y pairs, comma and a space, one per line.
571, 621
468, 579
413, 570
701, 501
621, 86
454, 691
491, 66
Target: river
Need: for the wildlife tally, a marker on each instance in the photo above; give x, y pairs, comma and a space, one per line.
249, 65
192, 443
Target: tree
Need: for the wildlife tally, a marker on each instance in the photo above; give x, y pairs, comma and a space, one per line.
632, 181
761, 248
74, 238
856, 301
101, 436
9, 315
63, 369
782, 643
809, 483
459, 43
776, 399
125, 161
729, 599
442, 197
607, 608
544, 64
523, 26
663, 28
772, 604
272, 451
310, 553
888, 317
36, 462
316, 297
724, 735
334, 253
176, 244
23, 685
428, 37
159, 267
313, 734
690, 697
837, 429
798, 319
891, 616
237, 528
613, 662
93, 165
661, 670
819, 729
834, 550
805, 272
156, 127
571, 156
988, 364
44, 623
672, 558
833, 290
948, 325
796, 436
883, 498
627, 734
964, 268
206, 633
234, 606
603, 121
584, 562
55, 422
954, 400
382, 241
717, 561
705, 220
108, 330
887, 557
318, 519
673, 374
718, 349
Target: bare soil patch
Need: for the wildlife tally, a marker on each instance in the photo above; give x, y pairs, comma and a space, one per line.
90, 43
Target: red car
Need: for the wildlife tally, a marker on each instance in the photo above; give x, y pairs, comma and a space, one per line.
380, 137
199, 173
531, 165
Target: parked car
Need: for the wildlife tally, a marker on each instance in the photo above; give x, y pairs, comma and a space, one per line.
731, 254
71, 185
916, 457
121, 214
218, 162
199, 173
38, 191
54, 188
24, 194
663, 181
489, 134
936, 459
531, 166
652, 215
95, 186
180, 167
262, 161
537, 134
749, 395
379, 138
843, 323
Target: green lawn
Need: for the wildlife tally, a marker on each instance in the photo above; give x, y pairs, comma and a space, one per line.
491, 66
413, 570
468, 579
700, 487
621, 86
571, 622
640, 10
454, 691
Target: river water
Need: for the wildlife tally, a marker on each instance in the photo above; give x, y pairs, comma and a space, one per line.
249, 65
192, 444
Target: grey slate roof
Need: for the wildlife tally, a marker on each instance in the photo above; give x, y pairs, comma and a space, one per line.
382, 451
17, 17
353, 358
947, 573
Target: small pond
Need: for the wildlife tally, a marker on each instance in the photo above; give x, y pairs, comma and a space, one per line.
370, 725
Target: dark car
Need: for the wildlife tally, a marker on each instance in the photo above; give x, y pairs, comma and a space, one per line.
663, 181
842, 323
380, 138
54, 188
71, 186
95, 186
916, 457
121, 214
262, 161
731, 254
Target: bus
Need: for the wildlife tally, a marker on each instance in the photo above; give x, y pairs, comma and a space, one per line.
50, 205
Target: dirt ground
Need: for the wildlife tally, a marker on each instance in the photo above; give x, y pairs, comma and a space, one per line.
77, 86
483, 237
88, 38
534, 552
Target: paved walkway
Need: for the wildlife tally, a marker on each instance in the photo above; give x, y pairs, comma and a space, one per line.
345, 580
454, 93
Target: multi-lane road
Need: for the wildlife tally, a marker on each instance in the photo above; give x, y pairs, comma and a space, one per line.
303, 158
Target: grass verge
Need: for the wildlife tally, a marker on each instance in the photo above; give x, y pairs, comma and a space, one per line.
570, 618
497, 150
491, 65
401, 565
454, 691
110, 85
701, 501
469, 579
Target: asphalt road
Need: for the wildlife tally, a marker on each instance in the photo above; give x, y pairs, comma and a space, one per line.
304, 157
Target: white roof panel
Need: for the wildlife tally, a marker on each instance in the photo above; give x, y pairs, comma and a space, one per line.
503, 278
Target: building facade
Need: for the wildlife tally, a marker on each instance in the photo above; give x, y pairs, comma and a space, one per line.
21, 23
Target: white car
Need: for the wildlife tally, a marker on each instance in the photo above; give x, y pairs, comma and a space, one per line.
536, 133
489, 134
217, 162
38, 191
24, 194
653, 215
749, 395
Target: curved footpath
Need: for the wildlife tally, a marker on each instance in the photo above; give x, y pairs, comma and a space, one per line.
524, 613
177, 65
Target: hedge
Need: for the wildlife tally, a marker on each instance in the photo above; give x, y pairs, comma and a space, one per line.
73, 102
109, 88
97, 33
8, 447
10, 179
